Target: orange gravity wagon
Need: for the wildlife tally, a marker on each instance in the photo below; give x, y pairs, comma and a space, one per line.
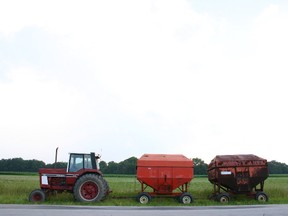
164, 173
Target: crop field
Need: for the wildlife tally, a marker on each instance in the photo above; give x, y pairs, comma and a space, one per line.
14, 189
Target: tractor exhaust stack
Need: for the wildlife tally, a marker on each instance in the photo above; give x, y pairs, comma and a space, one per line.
56, 154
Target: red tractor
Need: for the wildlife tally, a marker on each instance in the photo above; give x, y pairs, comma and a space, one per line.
83, 178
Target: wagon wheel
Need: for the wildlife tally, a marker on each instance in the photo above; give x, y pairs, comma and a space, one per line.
223, 197
90, 188
37, 195
144, 198
186, 198
261, 197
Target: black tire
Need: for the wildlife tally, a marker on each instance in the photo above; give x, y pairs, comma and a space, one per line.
261, 197
186, 198
223, 198
37, 195
90, 188
144, 198
106, 187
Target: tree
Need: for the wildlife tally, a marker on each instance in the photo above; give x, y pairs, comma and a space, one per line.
103, 166
57, 165
112, 168
128, 166
200, 167
33, 165
277, 167
20, 165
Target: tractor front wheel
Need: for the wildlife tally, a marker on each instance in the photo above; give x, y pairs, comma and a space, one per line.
37, 195
90, 188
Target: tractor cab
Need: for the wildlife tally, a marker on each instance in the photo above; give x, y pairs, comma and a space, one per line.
79, 161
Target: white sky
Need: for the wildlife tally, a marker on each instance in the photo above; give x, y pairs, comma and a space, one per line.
124, 78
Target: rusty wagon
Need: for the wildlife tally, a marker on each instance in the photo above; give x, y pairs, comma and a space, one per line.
238, 174
162, 174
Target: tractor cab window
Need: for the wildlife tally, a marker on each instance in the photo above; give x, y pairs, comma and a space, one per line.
75, 163
83, 161
87, 162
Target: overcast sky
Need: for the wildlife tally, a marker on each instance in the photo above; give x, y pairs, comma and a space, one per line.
124, 78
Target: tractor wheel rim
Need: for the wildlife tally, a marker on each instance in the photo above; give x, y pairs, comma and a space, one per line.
144, 199
186, 200
89, 190
37, 197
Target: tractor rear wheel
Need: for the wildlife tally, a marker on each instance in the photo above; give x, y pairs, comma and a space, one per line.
90, 188
37, 195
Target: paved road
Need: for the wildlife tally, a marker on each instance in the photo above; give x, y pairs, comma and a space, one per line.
45, 210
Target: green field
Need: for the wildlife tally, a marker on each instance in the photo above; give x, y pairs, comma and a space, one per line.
14, 189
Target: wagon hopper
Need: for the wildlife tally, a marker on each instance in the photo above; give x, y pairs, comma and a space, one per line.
164, 173
238, 174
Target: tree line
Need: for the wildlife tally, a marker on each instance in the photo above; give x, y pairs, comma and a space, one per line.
127, 166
